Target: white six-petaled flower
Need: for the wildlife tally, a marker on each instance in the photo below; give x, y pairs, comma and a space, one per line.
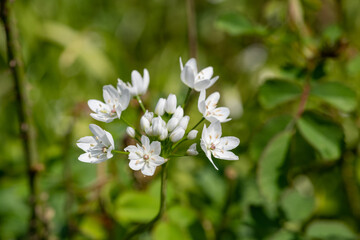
196, 80
213, 143
145, 157
208, 108
98, 147
116, 101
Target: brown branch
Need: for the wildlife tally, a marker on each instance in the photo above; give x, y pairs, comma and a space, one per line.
23, 108
192, 32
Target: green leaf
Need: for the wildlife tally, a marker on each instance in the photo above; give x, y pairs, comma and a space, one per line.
336, 94
282, 234
168, 230
329, 229
297, 206
181, 215
92, 227
268, 131
136, 207
271, 161
323, 135
236, 24
275, 92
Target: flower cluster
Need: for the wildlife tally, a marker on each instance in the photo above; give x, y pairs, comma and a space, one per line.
163, 130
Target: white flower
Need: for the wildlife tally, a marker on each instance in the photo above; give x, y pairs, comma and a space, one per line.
192, 134
115, 103
145, 157
198, 81
213, 143
139, 84
170, 106
158, 126
172, 123
98, 147
160, 107
177, 134
208, 108
192, 150
179, 112
130, 131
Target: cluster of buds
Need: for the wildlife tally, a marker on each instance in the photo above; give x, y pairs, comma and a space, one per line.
163, 130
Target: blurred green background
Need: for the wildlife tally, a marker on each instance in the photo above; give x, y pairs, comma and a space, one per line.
289, 72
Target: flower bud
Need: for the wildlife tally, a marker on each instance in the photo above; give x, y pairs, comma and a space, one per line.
192, 150
179, 112
184, 122
192, 134
170, 105
160, 107
172, 123
130, 131
177, 134
163, 135
144, 123
149, 115
157, 126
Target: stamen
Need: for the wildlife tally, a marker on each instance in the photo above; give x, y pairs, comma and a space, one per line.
146, 157
212, 147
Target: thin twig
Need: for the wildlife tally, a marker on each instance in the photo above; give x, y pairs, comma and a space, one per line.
148, 226
23, 107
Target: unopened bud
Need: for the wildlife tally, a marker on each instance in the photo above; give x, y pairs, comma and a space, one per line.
163, 135
170, 105
172, 123
184, 122
192, 134
192, 150
179, 112
177, 134
144, 123
160, 107
157, 126
130, 131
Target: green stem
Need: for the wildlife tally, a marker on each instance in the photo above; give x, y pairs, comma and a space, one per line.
186, 101
148, 226
121, 152
201, 120
130, 125
185, 136
140, 103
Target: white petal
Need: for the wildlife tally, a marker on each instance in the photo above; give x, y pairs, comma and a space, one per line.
207, 153
228, 143
192, 134
213, 80
88, 158
136, 164
170, 106
135, 155
145, 142
205, 135
156, 160
124, 98
172, 123
102, 117
225, 155
212, 100
146, 81
192, 63
187, 77
221, 114
206, 73
215, 130
155, 147
97, 131
85, 143
184, 122
110, 94
136, 81
109, 139
181, 64
148, 169
131, 148
201, 85
96, 105
192, 150
201, 102
160, 107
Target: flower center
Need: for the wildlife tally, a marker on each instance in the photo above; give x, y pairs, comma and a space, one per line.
146, 157
212, 147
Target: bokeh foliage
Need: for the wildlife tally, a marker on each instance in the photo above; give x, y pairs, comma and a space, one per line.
289, 71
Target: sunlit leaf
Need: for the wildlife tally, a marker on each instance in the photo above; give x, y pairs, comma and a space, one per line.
336, 94
269, 130
168, 230
237, 24
324, 135
136, 207
275, 92
297, 206
328, 229
271, 161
